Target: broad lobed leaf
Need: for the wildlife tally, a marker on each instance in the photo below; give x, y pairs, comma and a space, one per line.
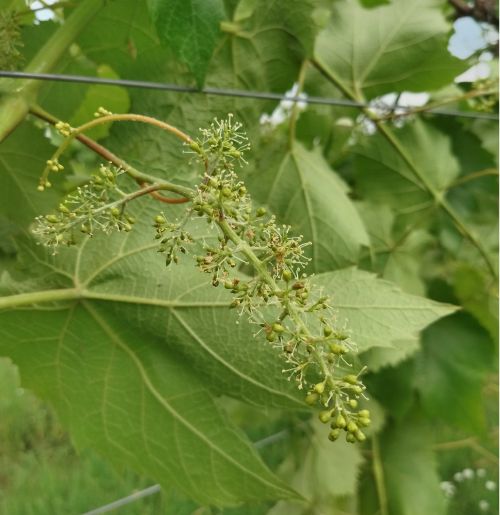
398, 47
301, 189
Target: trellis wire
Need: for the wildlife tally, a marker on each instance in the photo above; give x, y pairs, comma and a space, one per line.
150, 490
257, 95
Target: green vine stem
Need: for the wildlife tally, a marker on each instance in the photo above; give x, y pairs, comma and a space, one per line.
107, 155
378, 472
72, 133
19, 95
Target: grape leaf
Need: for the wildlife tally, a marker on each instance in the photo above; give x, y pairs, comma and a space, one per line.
402, 46
190, 28
377, 312
456, 356
397, 257
302, 191
478, 296
385, 176
116, 392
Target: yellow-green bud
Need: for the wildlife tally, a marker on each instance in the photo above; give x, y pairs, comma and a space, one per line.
360, 436
337, 349
364, 422
352, 427
194, 146
351, 379
340, 422
278, 328
319, 388
287, 275
271, 337
312, 398
333, 434
325, 416
350, 438
52, 219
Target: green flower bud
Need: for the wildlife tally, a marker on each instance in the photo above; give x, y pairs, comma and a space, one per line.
364, 422
357, 389
353, 403
319, 388
364, 413
333, 434
312, 398
360, 436
350, 438
160, 220
325, 416
115, 212
271, 337
340, 422
278, 328
327, 330
337, 349
351, 379
195, 146
261, 211
226, 192
352, 427
63, 209
287, 275
52, 219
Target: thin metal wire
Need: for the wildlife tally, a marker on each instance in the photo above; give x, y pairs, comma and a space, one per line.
224, 92
150, 490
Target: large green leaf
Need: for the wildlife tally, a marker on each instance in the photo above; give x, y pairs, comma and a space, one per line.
377, 312
456, 356
397, 257
402, 46
404, 180
304, 192
190, 28
117, 392
269, 42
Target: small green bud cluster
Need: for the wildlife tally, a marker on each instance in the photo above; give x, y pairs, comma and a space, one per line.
341, 414
64, 129
173, 238
222, 143
10, 41
101, 111
96, 206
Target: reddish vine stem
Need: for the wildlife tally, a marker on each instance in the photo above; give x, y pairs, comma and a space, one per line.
106, 154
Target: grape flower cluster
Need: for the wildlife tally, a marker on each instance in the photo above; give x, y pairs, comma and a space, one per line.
289, 310
278, 297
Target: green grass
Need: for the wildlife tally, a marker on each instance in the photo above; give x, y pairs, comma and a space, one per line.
40, 471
